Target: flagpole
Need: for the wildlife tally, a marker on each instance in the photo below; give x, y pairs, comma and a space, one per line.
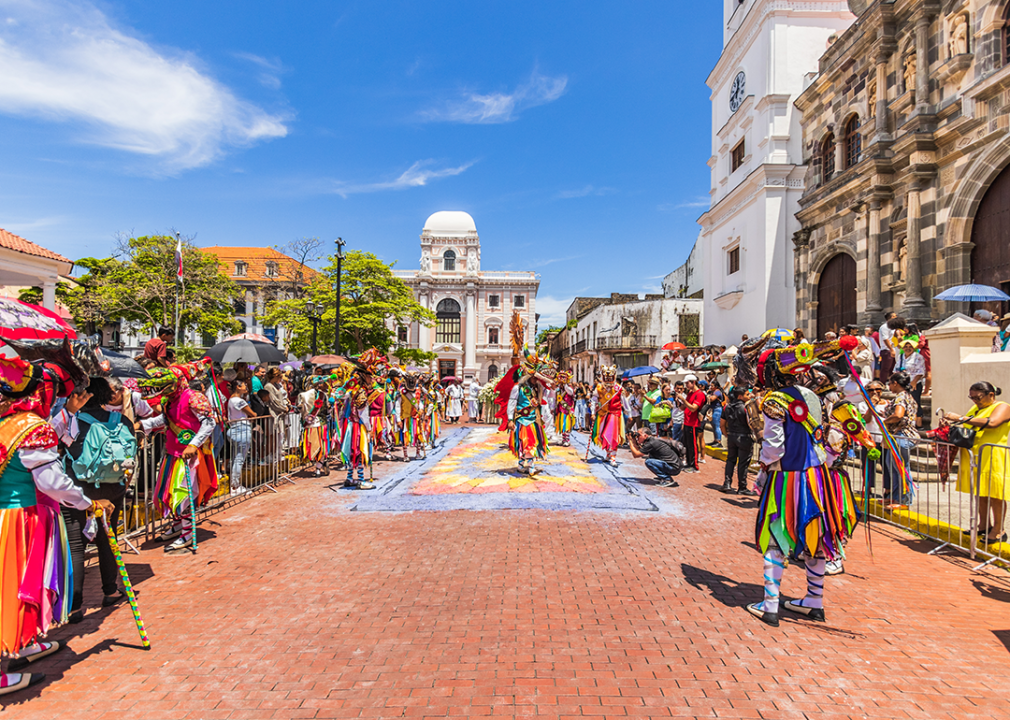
178, 281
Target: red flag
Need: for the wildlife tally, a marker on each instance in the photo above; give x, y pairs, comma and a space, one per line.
178, 260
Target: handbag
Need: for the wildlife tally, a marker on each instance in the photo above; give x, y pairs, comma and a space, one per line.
962, 437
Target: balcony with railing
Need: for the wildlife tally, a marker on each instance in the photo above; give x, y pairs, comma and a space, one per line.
629, 342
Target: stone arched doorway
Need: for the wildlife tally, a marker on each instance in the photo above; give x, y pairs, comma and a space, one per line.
836, 295
990, 234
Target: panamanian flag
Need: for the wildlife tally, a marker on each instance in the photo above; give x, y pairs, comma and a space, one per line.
178, 260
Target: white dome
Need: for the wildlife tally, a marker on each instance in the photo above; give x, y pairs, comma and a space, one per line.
450, 223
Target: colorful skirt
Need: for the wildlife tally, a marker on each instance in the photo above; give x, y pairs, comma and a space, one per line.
608, 431
564, 422
810, 512
172, 486
315, 443
36, 576
528, 441
356, 450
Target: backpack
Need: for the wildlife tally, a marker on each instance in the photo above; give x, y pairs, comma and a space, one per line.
107, 450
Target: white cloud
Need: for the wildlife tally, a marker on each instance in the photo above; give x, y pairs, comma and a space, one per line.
66, 62
698, 202
584, 192
270, 70
476, 108
417, 175
552, 310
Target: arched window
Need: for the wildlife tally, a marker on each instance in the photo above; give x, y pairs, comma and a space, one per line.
853, 142
449, 261
828, 157
492, 372
448, 325
1006, 35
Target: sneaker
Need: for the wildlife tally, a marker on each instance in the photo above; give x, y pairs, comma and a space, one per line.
669, 482
834, 567
178, 546
690, 470
45, 649
20, 682
239, 490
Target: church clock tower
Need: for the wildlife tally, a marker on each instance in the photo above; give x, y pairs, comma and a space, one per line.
769, 47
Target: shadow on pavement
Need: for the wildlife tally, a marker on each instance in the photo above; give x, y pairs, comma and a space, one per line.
728, 591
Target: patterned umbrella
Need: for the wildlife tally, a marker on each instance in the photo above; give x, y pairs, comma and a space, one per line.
973, 293
21, 321
250, 336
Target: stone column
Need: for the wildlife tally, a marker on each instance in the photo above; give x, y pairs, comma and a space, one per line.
470, 341
250, 313
424, 332
922, 62
881, 109
873, 307
49, 294
913, 281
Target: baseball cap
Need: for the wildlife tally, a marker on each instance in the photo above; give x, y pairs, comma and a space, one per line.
691, 378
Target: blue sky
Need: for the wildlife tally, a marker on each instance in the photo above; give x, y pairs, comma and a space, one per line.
575, 133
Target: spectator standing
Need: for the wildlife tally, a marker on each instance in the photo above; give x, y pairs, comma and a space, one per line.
259, 377
692, 401
991, 421
676, 429
885, 334
899, 417
665, 458
102, 476
156, 349
739, 441
716, 398
472, 398
1001, 341
239, 432
913, 364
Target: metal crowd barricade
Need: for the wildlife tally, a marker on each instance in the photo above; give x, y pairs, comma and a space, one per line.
934, 508
251, 455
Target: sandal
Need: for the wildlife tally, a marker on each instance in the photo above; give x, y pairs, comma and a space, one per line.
8, 684
48, 648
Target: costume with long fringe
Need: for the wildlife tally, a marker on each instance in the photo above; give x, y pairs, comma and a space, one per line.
608, 430
519, 400
807, 511
315, 432
188, 420
36, 573
564, 412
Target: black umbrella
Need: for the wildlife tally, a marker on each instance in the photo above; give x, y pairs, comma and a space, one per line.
247, 351
124, 366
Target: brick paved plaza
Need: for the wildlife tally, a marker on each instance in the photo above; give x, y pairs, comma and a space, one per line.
298, 606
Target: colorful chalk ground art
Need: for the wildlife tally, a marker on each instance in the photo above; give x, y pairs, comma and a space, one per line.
482, 465
472, 469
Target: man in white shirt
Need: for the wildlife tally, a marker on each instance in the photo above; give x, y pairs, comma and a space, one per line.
886, 357
473, 394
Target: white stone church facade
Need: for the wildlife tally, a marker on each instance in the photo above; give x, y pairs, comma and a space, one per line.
473, 306
746, 247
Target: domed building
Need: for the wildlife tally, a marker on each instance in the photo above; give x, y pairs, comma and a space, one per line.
473, 306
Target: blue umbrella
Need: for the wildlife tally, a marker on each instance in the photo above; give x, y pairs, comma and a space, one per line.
973, 293
642, 370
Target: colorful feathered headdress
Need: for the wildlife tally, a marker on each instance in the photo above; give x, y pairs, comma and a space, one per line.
761, 363
608, 373
538, 365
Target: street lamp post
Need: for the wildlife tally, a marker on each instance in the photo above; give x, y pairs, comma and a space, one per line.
314, 313
340, 259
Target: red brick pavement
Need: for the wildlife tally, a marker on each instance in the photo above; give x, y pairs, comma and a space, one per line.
297, 608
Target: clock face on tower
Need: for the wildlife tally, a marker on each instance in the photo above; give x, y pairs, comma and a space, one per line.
736, 92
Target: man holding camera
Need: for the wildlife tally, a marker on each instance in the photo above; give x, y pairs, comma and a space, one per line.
663, 456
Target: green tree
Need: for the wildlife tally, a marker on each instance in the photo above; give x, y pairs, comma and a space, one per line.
414, 356
374, 302
139, 285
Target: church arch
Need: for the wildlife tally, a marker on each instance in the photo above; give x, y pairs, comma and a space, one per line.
836, 294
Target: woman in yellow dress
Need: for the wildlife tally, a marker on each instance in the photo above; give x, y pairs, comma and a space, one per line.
991, 421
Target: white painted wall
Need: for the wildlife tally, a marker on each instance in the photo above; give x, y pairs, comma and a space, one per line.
775, 43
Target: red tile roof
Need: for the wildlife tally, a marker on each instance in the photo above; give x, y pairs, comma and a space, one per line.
17, 243
256, 259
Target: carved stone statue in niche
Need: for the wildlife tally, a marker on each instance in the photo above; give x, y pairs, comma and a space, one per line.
901, 261
426, 264
958, 44
909, 73
871, 100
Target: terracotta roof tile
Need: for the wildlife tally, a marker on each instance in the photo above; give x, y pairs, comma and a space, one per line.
256, 259
17, 243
